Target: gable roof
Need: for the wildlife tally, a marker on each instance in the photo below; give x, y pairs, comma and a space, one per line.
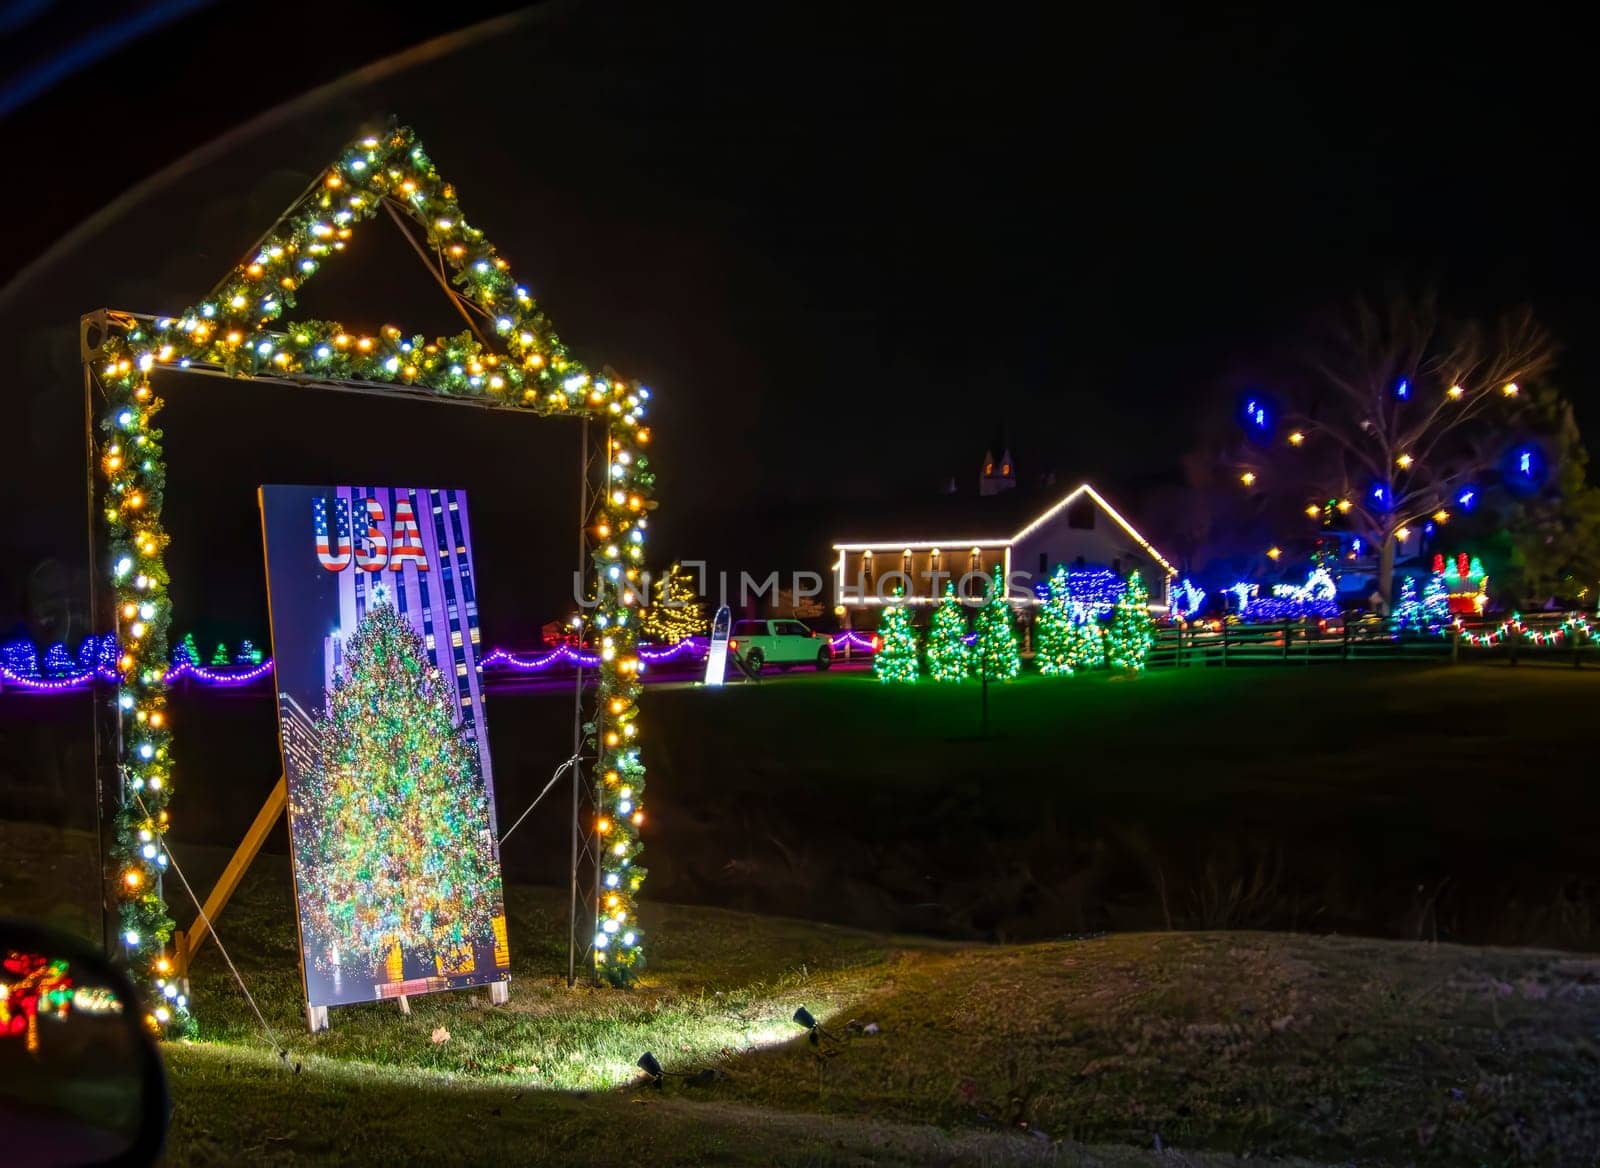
991, 521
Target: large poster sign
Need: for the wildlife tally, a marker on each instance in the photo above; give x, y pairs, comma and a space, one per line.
380, 712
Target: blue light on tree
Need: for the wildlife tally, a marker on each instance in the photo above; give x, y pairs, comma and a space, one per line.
1256, 415
1095, 590
1380, 496
1468, 498
1525, 468
1403, 390
1187, 599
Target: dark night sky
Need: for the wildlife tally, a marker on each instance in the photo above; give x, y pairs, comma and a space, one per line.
843, 244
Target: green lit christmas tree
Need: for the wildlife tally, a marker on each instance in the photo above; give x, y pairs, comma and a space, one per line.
1436, 601
220, 657
995, 653
1132, 631
1052, 642
393, 847
896, 656
949, 655
188, 652
1086, 643
1408, 612
675, 611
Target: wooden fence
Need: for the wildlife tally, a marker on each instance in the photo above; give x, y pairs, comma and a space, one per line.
1544, 639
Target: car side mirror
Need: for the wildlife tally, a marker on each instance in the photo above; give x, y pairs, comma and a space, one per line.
81, 1080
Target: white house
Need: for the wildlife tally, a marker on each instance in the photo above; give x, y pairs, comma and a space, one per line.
1025, 534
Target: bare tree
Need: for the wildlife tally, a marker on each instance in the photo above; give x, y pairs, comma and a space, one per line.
1393, 411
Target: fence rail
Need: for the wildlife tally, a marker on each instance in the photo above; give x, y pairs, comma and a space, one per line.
1545, 638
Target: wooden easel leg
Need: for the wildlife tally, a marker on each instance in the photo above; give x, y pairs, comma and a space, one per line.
186, 944
499, 993
316, 1018
405, 1006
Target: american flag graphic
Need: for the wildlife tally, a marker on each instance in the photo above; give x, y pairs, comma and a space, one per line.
340, 560
407, 539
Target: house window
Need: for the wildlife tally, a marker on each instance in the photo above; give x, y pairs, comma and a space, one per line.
971, 586
1080, 514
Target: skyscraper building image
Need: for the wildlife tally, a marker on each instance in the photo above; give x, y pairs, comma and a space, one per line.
299, 736
432, 587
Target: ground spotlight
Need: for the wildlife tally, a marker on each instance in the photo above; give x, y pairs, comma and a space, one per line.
649, 1065
804, 1017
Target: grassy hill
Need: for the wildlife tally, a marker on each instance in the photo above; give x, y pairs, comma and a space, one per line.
1097, 1050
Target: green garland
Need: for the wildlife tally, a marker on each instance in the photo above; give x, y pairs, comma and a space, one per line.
228, 331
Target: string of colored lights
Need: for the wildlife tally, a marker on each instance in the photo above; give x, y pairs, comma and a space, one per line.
1574, 625
228, 332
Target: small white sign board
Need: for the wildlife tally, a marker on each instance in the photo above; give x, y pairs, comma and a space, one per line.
717, 654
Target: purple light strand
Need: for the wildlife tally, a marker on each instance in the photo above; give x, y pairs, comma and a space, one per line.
55, 685
499, 658
543, 661
211, 677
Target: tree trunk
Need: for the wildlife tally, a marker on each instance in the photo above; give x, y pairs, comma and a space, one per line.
1386, 571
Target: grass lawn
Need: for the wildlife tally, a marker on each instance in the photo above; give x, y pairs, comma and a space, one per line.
1391, 800
1385, 800
1086, 1051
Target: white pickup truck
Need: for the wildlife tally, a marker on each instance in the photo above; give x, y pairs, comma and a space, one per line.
784, 643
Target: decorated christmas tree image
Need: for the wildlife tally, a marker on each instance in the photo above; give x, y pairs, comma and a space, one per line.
896, 656
393, 845
996, 652
949, 655
676, 610
1132, 631
1052, 645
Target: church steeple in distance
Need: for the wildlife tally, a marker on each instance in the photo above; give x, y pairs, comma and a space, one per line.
999, 474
